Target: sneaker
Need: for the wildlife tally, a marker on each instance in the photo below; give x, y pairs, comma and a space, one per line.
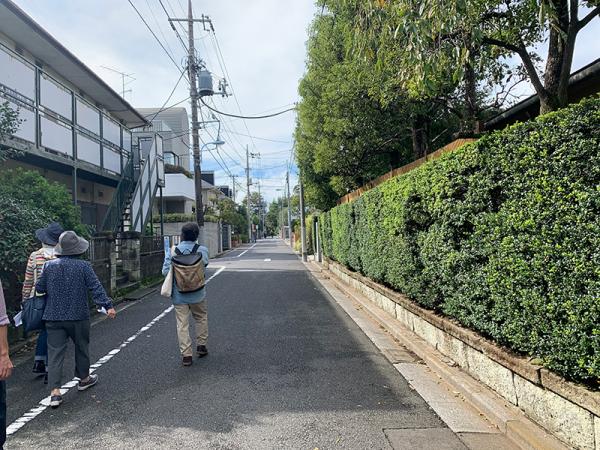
186, 361
39, 367
202, 351
55, 401
83, 385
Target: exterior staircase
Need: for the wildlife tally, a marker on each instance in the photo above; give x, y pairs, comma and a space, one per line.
131, 204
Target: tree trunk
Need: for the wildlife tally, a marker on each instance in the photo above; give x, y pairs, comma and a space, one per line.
561, 45
419, 131
471, 107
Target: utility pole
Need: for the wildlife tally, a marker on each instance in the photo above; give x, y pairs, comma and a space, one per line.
233, 177
192, 73
248, 196
289, 214
259, 209
302, 222
195, 136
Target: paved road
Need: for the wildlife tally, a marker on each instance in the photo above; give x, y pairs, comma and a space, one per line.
287, 369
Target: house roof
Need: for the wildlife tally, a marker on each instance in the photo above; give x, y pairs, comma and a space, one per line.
582, 83
30, 36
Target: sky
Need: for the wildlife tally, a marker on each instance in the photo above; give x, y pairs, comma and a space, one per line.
263, 43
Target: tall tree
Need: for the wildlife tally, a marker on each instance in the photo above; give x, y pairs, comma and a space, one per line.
465, 31
345, 135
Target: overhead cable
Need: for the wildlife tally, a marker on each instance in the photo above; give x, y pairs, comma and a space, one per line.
246, 117
155, 36
162, 108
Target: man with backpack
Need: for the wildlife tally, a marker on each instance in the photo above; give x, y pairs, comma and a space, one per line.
184, 269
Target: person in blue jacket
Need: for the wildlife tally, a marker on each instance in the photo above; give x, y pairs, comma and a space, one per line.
189, 302
66, 282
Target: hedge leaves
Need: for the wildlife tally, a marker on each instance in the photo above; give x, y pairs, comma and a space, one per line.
502, 235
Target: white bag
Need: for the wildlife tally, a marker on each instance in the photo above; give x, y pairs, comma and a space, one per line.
167, 287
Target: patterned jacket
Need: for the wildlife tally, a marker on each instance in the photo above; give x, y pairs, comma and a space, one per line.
35, 264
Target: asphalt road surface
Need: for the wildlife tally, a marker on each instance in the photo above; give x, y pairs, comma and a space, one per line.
287, 368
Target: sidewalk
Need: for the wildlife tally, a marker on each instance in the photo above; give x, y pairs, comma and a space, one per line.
478, 416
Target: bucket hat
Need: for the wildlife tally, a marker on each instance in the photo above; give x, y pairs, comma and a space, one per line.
69, 244
50, 234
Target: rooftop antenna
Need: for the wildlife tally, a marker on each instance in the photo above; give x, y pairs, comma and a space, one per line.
124, 83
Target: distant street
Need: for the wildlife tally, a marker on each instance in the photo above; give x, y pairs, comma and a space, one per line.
287, 368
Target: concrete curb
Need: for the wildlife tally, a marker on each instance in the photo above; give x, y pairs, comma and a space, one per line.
509, 419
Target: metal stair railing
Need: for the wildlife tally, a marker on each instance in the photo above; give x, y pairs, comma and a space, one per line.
114, 215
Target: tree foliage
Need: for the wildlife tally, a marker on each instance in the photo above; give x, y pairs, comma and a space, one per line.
9, 123
345, 135
232, 214
389, 80
439, 41
35, 191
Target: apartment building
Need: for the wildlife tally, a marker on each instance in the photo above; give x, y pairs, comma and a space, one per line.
75, 129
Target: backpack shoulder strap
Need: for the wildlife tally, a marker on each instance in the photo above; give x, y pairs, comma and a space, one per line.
195, 249
177, 251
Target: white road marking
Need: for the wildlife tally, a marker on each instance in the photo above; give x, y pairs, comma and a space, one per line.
245, 251
267, 259
45, 402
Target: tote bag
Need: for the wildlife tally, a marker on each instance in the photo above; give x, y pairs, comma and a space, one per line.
33, 309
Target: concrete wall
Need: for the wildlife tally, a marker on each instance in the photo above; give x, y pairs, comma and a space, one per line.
212, 235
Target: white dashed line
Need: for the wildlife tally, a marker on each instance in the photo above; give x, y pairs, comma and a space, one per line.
245, 251
45, 403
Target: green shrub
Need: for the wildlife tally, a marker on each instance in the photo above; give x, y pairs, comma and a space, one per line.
33, 190
18, 222
503, 235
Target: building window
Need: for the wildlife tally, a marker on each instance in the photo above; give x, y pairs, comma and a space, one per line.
16, 74
88, 117
55, 98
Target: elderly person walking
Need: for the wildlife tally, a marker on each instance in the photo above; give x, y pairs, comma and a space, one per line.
189, 302
66, 280
49, 238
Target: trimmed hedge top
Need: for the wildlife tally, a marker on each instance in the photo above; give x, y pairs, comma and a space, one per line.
503, 235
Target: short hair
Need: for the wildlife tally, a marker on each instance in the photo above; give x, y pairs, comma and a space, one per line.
190, 231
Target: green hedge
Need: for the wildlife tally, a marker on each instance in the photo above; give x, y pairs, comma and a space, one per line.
502, 235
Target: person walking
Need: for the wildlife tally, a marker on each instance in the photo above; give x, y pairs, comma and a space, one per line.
6, 366
66, 281
194, 301
49, 238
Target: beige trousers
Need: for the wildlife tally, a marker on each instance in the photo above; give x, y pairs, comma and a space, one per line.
200, 314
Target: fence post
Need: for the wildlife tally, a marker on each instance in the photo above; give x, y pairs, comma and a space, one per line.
130, 254
318, 241
113, 265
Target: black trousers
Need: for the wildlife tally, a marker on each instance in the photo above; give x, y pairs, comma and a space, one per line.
59, 334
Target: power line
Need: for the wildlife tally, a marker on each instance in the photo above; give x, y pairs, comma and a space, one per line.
158, 26
162, 108
171, 106
245, 117
221, 59
173, 26
261, 138
155, 36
